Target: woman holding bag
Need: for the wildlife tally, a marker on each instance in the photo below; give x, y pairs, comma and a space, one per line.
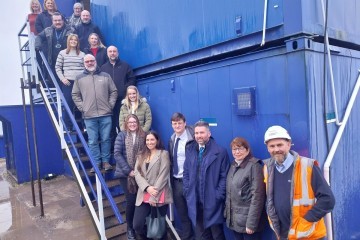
152, 173
128, 144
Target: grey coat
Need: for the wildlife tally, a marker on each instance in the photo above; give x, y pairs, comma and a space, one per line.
45, 39
245, 196
157, 175
94, 94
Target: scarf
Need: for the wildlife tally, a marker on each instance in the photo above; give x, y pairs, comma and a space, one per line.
132, 149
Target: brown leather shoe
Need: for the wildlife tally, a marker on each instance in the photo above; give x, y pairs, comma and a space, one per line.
107, 166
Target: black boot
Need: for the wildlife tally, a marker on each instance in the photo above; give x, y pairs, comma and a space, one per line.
130, 234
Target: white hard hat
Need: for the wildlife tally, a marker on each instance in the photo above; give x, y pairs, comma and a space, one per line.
276, 132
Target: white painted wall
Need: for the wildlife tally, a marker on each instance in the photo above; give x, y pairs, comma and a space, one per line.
13, 16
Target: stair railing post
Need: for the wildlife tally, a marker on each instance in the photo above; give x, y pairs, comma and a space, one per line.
35, 146
27, 141
100, 207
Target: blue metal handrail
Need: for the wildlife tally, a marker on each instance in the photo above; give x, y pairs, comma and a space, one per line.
82, 140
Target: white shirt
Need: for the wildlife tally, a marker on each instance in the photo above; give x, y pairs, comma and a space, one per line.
181, 153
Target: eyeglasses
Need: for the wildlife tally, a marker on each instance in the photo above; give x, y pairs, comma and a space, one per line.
132, 123
240, 149
89, 61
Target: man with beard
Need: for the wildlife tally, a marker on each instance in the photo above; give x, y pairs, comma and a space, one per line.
53, 39
123, 76
204, 183
298, 197
85, 28
94, 94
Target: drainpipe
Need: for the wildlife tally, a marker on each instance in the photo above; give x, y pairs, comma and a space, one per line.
333, 148
264, 23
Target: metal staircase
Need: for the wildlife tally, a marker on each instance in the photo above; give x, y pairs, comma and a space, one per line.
100, 192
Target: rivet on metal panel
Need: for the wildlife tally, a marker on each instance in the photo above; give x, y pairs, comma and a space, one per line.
172, 85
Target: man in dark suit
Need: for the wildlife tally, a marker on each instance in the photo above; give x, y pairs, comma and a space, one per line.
204, 183
182, 135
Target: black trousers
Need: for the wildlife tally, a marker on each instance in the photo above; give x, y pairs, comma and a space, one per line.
214, 232
245, 236
141, 212
130, 203
186, 232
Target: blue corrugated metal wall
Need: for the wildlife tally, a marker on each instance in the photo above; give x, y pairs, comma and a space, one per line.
49, 150
289, 81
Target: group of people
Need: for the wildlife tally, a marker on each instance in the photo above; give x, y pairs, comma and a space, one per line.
91, 76
196, 175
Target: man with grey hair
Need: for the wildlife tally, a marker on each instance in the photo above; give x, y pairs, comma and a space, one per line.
204, 183
75, 19
94, 93
298, 197
85, 28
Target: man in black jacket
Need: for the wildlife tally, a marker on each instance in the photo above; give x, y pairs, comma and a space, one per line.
85, 28
53, 39
122, 75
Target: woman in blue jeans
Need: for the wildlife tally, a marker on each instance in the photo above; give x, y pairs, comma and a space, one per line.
128, 144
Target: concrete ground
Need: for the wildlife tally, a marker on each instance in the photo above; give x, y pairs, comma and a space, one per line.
64, 217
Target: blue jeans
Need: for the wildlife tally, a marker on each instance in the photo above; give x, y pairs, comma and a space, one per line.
95, 127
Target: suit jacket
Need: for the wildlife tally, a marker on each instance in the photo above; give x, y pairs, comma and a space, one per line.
157, 175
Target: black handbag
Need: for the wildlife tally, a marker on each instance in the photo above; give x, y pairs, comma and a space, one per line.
155, 224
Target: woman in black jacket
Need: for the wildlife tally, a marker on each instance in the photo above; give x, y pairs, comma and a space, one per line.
44, 20
245, 193
128, 144
97, 49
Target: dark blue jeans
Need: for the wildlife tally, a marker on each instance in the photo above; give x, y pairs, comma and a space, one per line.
99, 127
130, 203
67, 94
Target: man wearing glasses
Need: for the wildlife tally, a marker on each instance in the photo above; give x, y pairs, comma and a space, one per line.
94, 93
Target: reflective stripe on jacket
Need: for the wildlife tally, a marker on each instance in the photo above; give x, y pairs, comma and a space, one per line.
302, 197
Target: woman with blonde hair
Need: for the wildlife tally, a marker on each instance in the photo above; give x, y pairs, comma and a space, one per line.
135, 104
68, 65
35, 7
97, 49
44, 20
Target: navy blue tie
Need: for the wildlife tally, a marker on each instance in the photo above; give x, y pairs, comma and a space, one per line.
175, 163
201, 151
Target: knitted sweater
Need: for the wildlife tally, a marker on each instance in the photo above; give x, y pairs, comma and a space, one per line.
69, 65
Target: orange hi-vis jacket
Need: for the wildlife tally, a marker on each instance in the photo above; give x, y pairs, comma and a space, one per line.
302, 197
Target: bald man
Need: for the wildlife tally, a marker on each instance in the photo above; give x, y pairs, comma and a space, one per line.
122, 75
85, 28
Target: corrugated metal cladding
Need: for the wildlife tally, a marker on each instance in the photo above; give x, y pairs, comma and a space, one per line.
290, 92
149, 31
288, 76
50, 158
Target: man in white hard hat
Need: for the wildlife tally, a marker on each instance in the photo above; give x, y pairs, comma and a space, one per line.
298, 197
